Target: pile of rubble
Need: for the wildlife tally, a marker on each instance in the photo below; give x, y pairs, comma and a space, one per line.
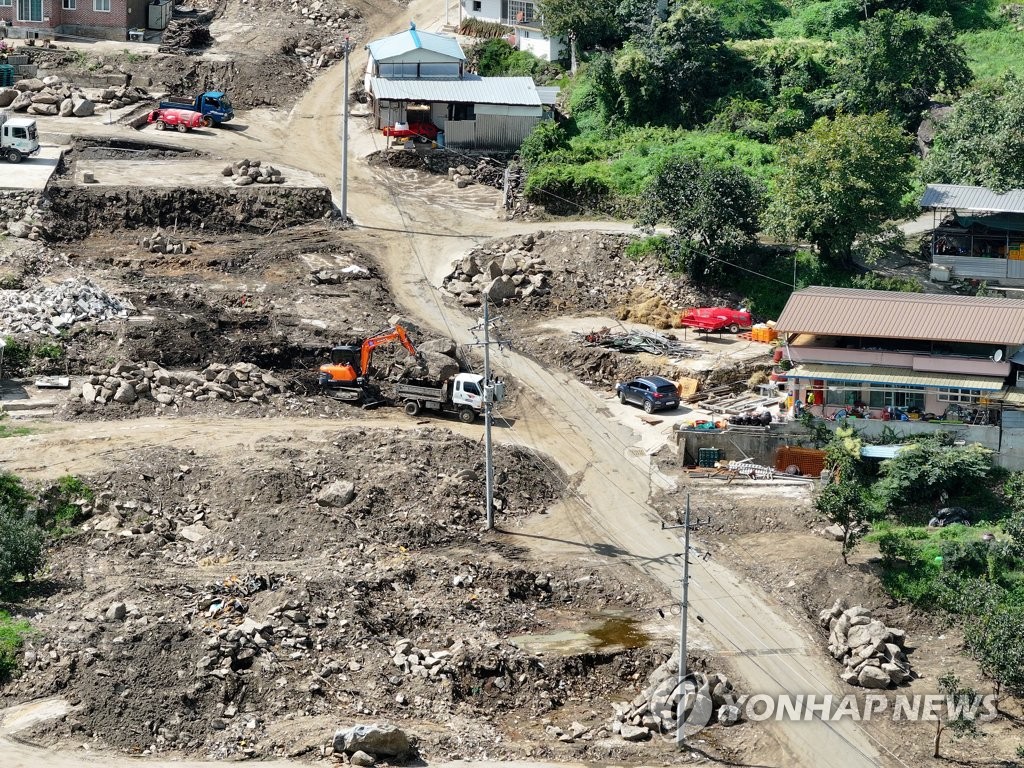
127, 382
26, 218
187, 33
124, 96
707, 699
512, 273
875, 656
326, 15
47, 310
421, 663
253, 172
328, 276
487, 171
316, 55
49, 96
160, 242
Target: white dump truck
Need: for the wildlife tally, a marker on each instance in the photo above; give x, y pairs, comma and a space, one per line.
462, 394
18, 138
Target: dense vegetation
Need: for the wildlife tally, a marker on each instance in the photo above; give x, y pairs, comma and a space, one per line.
974, 573
815, 103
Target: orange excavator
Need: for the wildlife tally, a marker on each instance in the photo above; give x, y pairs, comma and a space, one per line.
346, 376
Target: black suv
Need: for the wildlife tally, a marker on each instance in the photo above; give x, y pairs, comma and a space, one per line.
652, 393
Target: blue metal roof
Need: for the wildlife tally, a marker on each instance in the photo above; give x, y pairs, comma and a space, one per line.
411, 40
964, 198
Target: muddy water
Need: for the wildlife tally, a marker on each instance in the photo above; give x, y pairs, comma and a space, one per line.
600, 632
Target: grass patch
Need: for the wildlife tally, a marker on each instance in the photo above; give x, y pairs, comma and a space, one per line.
13, 634
993, 52
6, 430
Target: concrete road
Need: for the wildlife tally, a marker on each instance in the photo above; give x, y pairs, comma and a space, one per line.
33, 172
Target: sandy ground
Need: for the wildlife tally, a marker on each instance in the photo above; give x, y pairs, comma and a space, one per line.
177, 173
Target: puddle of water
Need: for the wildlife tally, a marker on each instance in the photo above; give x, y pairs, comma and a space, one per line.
601, 633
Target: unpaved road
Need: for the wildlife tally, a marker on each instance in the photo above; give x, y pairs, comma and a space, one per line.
608, 517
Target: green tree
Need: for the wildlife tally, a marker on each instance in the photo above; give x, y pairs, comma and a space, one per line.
927, 471
712, 210
675, 75
21, 540
981, 143
841, 502
748, 19
546, 137
582, 22
960, 715
842, 179
994, 637
899, 60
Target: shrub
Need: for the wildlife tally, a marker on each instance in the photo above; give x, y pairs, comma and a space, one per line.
57, 510
655, 245
967, 557
21, 547
12, 638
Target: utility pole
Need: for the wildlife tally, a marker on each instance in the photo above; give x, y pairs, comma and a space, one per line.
494, 391
346, 47
683, 615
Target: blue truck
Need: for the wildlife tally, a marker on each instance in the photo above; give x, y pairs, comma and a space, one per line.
213, 105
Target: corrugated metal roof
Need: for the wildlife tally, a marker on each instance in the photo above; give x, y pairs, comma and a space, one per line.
472, 89
894, 315
412, 39
961, 198
868, 374
1011, 396
882, 451
548, 94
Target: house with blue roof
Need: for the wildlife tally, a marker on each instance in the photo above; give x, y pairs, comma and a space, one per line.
417, 77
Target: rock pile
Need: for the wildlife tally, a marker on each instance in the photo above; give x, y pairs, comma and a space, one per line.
708, 699
25, 219
127, 382
874, 655
187, 33
49, 96
510, 274
160, 242
320, 14
328, 276
487, 171
124, 96
316, 55
47, 310
253, 172
418, 662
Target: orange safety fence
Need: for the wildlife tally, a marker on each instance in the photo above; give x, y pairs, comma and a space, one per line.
810, 460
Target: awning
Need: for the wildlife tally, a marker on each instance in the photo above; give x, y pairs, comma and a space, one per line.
1011, 396
866, 374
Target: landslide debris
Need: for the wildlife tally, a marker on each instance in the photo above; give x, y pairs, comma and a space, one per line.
210, 603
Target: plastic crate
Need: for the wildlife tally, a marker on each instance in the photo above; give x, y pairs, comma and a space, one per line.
6, 75
708, 457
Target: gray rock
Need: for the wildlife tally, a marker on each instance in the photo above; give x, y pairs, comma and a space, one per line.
634, 733
729, 714
31, 84
66, 108
116, 612
873, 677
337, 494
22, 102
440, 346
46, 97
7, 96
834, 532
377, 740
48, 110
195, 532
83, 107
125, 394
501, 288
361, 758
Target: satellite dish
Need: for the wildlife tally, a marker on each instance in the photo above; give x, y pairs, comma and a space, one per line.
998, 356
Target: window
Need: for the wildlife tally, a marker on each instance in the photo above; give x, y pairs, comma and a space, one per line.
842, 392
900, 397
68, 5
471, 388
955, 395
102, 6
30, 10
521, 11
477, 5
19, 133
6, 3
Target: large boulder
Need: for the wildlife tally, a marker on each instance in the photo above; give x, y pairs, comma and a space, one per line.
22, 102
43, 109
440, 346
66, 108
436, 366
501, 288
377, 740
873, 677
83, 107
31, 84
7, 96
46, 97
337, 494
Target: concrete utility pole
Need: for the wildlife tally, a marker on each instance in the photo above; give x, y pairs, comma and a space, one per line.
683, 615
494, 391
346, 47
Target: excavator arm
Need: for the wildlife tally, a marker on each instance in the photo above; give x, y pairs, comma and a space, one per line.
398, 333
